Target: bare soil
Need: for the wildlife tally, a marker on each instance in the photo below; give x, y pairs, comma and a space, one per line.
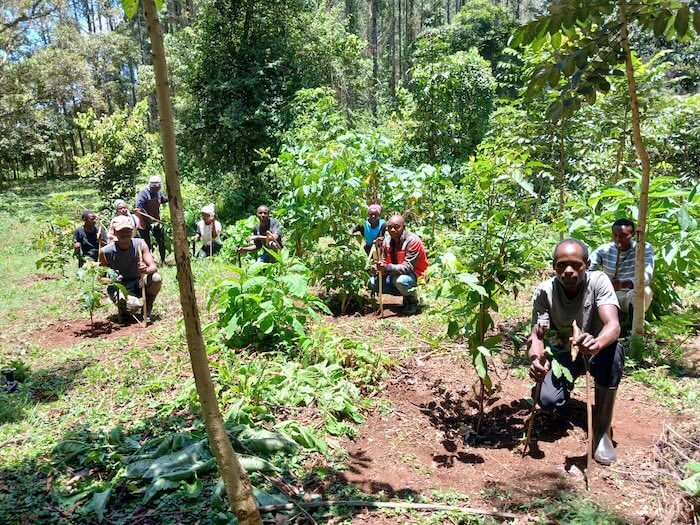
66, 333
425, 438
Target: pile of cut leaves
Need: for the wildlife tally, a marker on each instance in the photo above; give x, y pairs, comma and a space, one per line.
115, 470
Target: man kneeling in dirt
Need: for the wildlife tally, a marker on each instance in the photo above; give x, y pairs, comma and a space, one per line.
131, 258
404, 261
575, 294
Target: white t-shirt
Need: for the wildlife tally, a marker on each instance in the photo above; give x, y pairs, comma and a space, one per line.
204, 231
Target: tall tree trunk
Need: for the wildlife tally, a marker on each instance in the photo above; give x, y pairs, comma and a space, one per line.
374, 37
639, 281
392, 48
448, 17
238, 488
400, 41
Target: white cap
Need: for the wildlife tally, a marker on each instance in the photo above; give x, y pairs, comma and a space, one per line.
155, 180
209, 209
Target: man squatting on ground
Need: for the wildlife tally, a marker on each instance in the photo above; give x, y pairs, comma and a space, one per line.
588, 298
85, 239
267, 233
373, 228
616, 259
208, 230
123, 256
148, 202
404, 261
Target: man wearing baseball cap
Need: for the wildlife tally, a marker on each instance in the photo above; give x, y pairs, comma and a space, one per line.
131, 258
148, 202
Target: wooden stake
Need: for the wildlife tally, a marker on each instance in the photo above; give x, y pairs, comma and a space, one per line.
143, 287
533, 412
589, 408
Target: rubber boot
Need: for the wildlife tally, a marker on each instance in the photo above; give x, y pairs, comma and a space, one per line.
149, 304
410, 305
604, 451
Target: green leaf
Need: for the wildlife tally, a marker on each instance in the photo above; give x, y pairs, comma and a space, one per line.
681, 22
660, 23
130, 7
696, 21
691, 485
159, 4
99, 503
296, 284
158, 485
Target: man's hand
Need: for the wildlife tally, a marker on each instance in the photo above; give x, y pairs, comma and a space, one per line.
588, 344
77, 245
616, 284
539, 366
380, 266
143, 267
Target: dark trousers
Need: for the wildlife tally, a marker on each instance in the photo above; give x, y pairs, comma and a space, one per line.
159, 235
606, 368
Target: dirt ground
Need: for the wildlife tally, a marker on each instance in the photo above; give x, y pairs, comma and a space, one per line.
423, 437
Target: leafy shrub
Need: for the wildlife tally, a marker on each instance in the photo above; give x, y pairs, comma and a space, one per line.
453, 101
265, 305
339, 268
94, 278
125, 151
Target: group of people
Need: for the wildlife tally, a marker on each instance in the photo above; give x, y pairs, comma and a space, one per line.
594, 290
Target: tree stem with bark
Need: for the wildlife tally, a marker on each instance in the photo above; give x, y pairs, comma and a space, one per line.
238, 488
638, 314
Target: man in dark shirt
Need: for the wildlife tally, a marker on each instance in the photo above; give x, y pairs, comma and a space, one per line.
267, 233
131, 258
147, 207
88, 239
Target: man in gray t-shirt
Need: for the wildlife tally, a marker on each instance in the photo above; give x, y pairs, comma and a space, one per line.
267, 233
131, 258
575, 294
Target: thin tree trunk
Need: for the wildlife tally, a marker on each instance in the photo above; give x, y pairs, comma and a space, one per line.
374, 37
562, 175
638, 314
392, 47
238, 488
400, 41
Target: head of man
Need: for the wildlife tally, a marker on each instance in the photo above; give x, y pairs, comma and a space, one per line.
155, 184
373, 213
263, 213
121, 207
89, 219
395, 226
123, 231
208, 213
570, 263
623, 233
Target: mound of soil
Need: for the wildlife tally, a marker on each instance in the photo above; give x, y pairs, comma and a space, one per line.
64, 334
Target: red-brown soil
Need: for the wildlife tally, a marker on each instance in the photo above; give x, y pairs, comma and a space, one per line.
64, 334
424, 439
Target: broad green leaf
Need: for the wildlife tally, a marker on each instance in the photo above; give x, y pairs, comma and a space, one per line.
682, 19
296, 284
159, 4
158, 485
696, 21
99, 503
660, 23
130, 8
261, 440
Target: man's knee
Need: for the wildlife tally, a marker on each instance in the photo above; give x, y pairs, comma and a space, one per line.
552, 398
608, 366
153, 284
406, 285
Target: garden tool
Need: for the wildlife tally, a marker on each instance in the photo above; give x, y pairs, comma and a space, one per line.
543, 321
143, 288
377, 258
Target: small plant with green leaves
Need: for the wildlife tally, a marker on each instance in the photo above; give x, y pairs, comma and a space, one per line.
265, 305
339, 268
54, 237
93, 278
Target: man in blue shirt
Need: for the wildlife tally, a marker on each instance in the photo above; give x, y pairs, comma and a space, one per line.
147, 207
373, 228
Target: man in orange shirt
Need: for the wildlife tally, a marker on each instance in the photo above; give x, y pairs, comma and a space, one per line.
404, 261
